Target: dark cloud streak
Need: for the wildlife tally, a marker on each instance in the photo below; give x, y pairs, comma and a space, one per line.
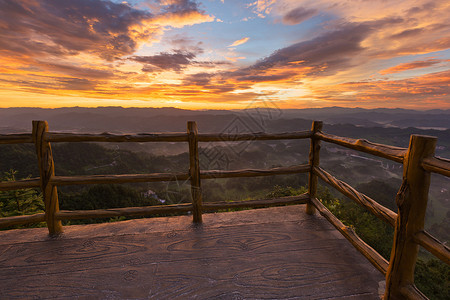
298, 15
166, 61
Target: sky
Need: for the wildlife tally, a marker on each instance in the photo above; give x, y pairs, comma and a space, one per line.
225, 54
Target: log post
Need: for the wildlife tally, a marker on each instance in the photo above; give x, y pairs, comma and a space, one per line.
194, 171
411, 200
314, 151
47, 171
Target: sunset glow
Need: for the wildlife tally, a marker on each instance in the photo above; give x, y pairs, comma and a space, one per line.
225, 54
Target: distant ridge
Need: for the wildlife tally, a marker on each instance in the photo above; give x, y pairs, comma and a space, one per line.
174, 119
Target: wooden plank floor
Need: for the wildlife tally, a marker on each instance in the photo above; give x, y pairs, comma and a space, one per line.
272, 253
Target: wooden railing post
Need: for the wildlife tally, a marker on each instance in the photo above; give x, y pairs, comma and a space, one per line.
47, 171
194, 172
314, 156
412, 201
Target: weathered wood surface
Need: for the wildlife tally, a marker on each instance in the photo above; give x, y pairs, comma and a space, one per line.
21, 220
433, 245
115, 138
159, 137
254, 136
274, 253
411, 200
153, 177
209, 174
176, 208
17, 138
47, 172
111, 179
373, 256
438, 165
314, 159
385, 151
194, 172
378, 210
127, 211
20, 184
215, 206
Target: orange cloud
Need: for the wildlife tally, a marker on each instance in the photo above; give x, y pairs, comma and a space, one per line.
239, 42
412, 65
427, 91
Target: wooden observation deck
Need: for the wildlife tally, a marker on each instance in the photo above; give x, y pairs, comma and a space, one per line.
298, 251
269, 253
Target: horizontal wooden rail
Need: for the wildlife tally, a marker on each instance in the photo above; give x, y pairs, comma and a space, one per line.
20, 184
433, 245
209, 174
215, 206
390, 152
177, 208
21, 220
112, 179
373, 256
127, 211
172, 137
438, 165
106, 137
378, 210
253, 136
17, 138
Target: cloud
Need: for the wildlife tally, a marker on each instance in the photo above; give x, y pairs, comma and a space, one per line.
411, 66
185, 43
267, 78
323, 55
166, 61
81, 72
407, 33
430, 90
68, 27
239, 42
298, 15
262, 8
180, 13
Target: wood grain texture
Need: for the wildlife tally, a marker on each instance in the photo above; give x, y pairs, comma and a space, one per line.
314, 159
20, 184
437, 165
433, 245
154, 177
194, 172
159, 137
107, 137
21, 220
385, 151
126, 211
254, 136
411, 200
274, 253
210, 174
18, 138
215, 206
373, 256
112, 179
176, 208
47, 172
378, 210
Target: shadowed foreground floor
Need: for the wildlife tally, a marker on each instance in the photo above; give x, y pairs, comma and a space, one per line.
271, 253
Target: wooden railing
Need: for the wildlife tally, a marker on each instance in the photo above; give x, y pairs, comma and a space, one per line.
418, 161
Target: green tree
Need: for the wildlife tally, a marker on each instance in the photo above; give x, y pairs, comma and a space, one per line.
432, 277
19, 202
